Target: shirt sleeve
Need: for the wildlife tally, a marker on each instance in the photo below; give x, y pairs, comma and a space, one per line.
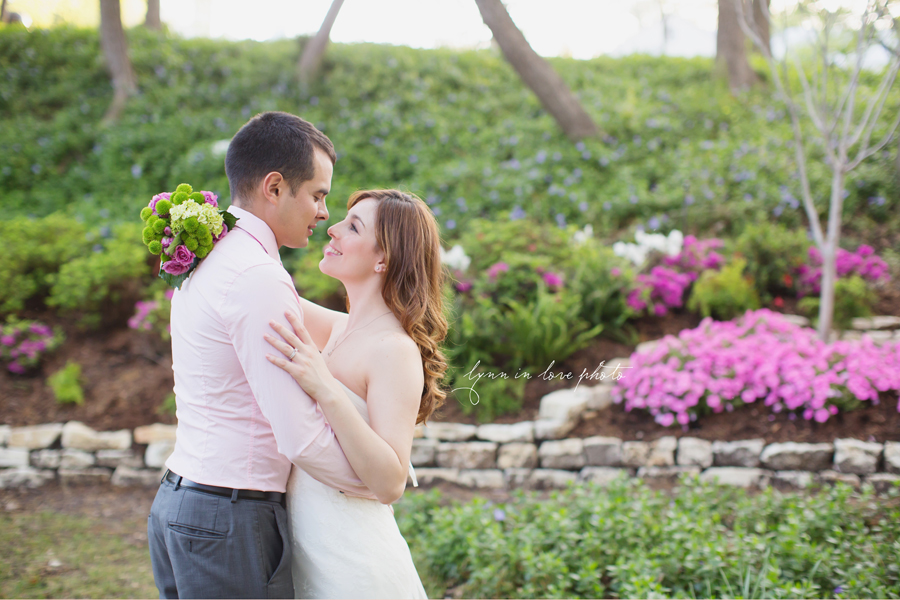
258, 295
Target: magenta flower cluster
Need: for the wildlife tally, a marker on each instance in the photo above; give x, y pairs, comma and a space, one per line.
661, 289
760, 357
150, 314
495, 269
864, 263
23, 342
665, 286
697, 255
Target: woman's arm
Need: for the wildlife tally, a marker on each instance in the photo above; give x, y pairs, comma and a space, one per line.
320, 321
378, 454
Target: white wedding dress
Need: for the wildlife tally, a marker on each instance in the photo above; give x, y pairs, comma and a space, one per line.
346, 547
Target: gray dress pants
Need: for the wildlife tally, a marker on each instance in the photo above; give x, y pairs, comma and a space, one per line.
206, 546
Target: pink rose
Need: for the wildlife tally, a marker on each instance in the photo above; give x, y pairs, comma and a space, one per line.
211, 198
166, 241
181, 261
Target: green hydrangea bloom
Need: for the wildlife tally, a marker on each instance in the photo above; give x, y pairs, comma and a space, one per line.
147, 235
184, 188
162, 208
205, 214
146, 212
191, 224
198, 198
154, 247
202, 251
152, 219
159, 226
191, 243
179, 198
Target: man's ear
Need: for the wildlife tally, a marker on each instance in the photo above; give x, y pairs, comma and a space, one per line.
271, 187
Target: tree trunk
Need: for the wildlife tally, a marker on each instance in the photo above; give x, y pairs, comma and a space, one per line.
115, 48
829, 255
3, 11
152, 21
537, 73
762, 23
731, 51
311, 59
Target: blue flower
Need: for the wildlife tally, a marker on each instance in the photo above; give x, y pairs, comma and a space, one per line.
451, 224
688, 200
633, 199
653, 223
413, 159
607, 205
432, 199
137, 171
561, 220
583, 206
517, 213
541, 157
580, 146
748, 198
499, 514
838, 590
876, 201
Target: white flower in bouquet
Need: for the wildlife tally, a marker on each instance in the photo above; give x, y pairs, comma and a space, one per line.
583, 235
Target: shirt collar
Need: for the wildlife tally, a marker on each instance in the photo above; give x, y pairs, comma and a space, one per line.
258, 228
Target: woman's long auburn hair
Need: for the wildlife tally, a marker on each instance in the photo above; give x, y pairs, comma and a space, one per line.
408, 234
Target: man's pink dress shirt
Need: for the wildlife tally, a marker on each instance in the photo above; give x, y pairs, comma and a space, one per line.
242, 421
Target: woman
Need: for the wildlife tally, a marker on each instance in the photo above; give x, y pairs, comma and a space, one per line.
375, 374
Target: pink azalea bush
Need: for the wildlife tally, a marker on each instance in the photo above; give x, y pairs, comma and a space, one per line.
666, 286
696, 256
659, 290
760, 357
153, 315
22, 343
864, 262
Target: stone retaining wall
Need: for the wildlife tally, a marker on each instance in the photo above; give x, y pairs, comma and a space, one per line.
488, 456
534, 454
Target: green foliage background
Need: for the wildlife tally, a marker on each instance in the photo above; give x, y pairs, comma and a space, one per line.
456, 127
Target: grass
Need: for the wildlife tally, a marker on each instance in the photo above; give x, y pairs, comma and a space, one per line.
51, 555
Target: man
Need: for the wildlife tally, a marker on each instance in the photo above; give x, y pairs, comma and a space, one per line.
217, 528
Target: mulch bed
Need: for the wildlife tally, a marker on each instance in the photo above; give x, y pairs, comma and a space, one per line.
127, 375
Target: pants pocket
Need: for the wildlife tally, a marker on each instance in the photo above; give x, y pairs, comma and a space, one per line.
194, 531
281, 583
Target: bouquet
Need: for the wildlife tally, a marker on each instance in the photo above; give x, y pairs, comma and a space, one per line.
181, 228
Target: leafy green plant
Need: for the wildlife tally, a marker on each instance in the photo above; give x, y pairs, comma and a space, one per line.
547, 329
168, 406
625, 540
773, 253
34, 249
853, 297
724, 294
66, 384
84, 283
602, 280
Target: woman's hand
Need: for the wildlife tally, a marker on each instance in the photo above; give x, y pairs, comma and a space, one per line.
307, 366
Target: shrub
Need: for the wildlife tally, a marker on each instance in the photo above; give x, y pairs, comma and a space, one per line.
723, 365
774, 254
724, 294
83, 284
601, 280
34, 249
154, 314
661, 289
624, 540
66, 384
853, 297
23, 343
547, 329
863, 263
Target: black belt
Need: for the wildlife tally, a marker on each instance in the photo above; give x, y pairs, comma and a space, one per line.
235, 495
